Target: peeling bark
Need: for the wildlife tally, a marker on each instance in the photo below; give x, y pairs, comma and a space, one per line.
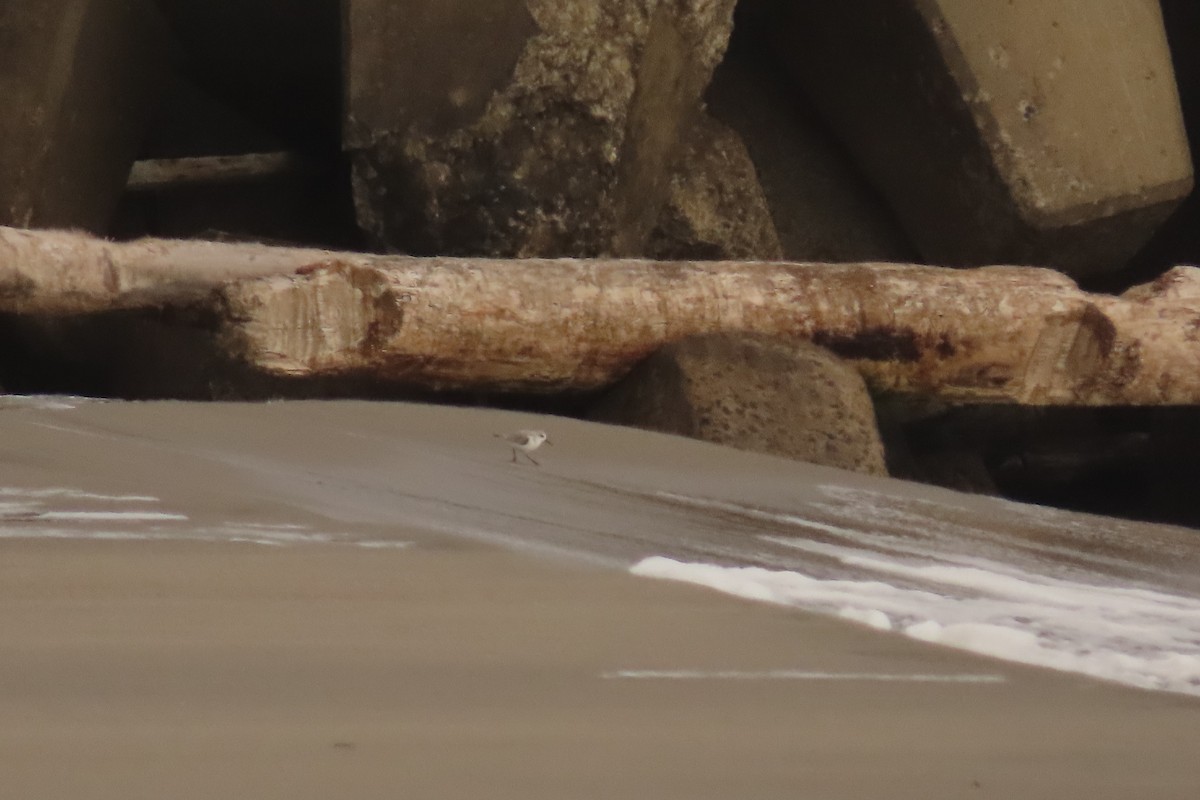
996, 334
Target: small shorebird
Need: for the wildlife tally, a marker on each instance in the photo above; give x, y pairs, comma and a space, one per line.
526, 442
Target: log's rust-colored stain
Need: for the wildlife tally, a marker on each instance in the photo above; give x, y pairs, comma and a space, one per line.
387, 309
872, 344
1098, 330
112, 278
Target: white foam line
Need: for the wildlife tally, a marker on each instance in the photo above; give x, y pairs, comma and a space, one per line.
797, 675
40, 401
75, 494
207, 535
1135, 637
1002, 581
260, 526
235, 533
915, 527
42, 533
111, 516
791, 520
184, 536
895, 531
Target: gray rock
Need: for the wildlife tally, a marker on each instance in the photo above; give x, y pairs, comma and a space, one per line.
78, 82
716, 208
522, 127
752, 392
822, 207
1039, 133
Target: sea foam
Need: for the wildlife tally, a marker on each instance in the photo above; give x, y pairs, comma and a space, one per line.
1135, 637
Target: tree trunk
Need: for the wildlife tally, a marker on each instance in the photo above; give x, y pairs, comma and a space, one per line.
996, 334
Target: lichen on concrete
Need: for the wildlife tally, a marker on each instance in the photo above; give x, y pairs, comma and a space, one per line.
567, 155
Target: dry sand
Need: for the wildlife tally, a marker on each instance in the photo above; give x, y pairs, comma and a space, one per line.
455, 667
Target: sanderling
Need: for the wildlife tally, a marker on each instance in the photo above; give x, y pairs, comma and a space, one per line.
526, 442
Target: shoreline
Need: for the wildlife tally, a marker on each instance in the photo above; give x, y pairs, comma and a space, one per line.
511, 660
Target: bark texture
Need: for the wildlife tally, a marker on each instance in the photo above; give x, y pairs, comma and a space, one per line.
995, 334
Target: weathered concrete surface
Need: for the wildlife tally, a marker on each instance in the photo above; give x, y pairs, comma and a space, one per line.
756, 393
1178, 240
716, 208
1046, 133
822, 207
522, 127
78, 81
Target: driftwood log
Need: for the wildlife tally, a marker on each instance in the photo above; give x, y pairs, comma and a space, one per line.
169, 173
995, 334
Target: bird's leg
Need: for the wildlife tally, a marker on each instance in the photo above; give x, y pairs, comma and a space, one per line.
536, 464
514, 458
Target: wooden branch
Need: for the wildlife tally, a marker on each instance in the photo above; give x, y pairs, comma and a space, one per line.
167, 173
997, 334
60, 272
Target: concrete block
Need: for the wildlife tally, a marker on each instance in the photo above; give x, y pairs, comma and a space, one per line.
78, 84
822, 207
1178, 240
753, 392
715, 209
1023, 132
522, 127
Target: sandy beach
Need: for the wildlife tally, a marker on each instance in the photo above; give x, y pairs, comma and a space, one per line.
368, 600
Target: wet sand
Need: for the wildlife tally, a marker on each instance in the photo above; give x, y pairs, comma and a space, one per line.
453, 666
